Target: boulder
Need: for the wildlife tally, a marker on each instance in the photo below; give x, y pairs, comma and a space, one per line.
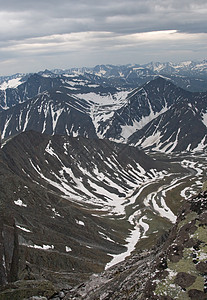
197, 295
184, 280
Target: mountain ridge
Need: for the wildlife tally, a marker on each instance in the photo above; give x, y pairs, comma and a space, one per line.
117, 115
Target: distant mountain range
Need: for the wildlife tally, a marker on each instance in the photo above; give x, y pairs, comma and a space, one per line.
187, 68
157, 115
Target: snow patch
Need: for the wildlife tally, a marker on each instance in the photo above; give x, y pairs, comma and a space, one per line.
19, 202
43, 247
128, 130
22, 228
12, 83
80, 222
68, 249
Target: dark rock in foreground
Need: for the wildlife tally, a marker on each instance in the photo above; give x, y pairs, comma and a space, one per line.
8, 249
175, 270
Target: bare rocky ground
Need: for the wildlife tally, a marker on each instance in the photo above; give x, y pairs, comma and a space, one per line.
176, 268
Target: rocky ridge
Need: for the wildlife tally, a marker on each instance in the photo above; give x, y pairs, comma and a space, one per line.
176, 268
158, 116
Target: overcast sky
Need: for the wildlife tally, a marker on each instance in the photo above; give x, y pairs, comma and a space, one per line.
40, 34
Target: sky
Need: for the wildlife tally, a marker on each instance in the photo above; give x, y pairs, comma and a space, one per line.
47, 34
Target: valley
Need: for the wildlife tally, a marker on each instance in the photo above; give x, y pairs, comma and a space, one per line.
98, 201
156, 204
95, 167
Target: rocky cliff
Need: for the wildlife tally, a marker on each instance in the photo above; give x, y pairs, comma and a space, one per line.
8, 249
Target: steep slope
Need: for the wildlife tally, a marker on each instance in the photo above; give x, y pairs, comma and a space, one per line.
69, 197
191, 76
22, 88
181, 127
51, 112
158, 116
18, 89
143, 104
66, 113
163, 108
189, 68
82, 205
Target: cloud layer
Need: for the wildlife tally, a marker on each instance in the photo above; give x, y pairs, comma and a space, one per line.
48, 34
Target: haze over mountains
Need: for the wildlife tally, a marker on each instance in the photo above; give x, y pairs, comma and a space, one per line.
108, 102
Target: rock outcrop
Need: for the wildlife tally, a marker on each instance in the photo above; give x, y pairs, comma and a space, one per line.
8, 249
177, 269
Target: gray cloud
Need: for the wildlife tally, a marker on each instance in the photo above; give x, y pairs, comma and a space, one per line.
66, 29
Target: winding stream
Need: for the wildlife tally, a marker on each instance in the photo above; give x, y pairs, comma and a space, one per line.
153, 199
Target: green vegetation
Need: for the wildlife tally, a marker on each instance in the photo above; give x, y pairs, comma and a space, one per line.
188, 263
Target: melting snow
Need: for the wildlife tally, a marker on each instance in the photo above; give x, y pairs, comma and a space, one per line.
105, 99
5, 126
151, 140
22, 228
56, 213
192, 165
68, 249
204, 119
183, 192
106, 237
80, 222
201, 145
43, 247
12, 83
144, 225
131, 243
19, 202
128, 130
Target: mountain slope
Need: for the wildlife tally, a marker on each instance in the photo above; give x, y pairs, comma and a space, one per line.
189, 68
54, 112
81, 205
162, 117
69, 198
189, 75
143, 105
174, 269
21, 89
181, 127
24, 87
18, 88
158, 116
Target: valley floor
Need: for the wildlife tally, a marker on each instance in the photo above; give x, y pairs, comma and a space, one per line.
157, 203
